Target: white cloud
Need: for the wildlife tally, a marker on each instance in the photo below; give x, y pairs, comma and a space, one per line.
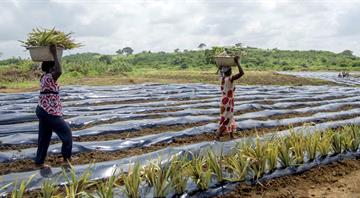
163, 25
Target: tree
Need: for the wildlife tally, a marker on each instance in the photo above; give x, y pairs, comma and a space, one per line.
127, 50
119, 51
176, 50
347, 53
238, 45
201, 45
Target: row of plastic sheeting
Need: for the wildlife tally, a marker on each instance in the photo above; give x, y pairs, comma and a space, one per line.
189, 109
245, 122
17, 115
148, 140
105, 169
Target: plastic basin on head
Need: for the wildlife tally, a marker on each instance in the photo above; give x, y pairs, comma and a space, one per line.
43, 53
225, 61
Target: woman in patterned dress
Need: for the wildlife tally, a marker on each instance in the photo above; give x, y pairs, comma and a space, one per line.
227, 123
49, 112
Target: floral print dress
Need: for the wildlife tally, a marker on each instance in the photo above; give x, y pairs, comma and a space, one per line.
49, 98
227, 122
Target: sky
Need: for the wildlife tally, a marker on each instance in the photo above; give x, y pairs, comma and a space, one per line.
105, 26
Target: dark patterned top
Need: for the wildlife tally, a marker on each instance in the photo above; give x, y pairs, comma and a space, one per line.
49, 98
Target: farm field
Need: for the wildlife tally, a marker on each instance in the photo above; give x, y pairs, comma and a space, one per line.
117, 125
179, 99
11, 84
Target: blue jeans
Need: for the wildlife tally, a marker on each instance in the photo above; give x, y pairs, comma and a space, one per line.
47, 124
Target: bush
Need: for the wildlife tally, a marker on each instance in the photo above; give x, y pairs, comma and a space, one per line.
119, 66
106, 59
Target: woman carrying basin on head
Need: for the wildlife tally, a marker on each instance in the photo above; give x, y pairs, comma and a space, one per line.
49, 112
227, 123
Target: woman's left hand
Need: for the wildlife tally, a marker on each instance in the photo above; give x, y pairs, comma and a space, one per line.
53, 50
237, 60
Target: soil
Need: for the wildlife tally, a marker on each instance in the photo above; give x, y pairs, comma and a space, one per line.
339, 179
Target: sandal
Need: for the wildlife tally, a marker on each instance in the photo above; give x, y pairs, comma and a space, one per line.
42, 166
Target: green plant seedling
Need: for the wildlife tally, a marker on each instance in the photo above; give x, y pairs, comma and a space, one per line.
132, 181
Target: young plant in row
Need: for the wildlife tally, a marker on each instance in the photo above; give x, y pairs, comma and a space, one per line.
132, 180
324, 145
105, 189
149, 173
198, 172
272, 153
178, 177
285, 155
161, 182
337, 143
352, 138
297, 143
257, 157
19, 191
238, 165
76, 186
311, 145
216, 165
49, 190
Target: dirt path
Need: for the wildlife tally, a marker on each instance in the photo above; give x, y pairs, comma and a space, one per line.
339, 179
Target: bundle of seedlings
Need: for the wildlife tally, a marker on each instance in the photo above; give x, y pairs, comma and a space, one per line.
39, 40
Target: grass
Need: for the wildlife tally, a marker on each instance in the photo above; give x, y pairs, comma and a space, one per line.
162, 76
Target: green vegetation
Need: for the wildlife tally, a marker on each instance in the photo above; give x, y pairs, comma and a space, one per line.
85, 64
132, 181
177, 67
251, 160
45, 37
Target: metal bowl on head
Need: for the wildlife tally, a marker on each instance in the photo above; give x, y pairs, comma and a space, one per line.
42, 53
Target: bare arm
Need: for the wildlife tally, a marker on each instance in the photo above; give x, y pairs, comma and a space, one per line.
241, 71
57, 68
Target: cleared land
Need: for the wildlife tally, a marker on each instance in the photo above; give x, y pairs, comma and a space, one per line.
164, 76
